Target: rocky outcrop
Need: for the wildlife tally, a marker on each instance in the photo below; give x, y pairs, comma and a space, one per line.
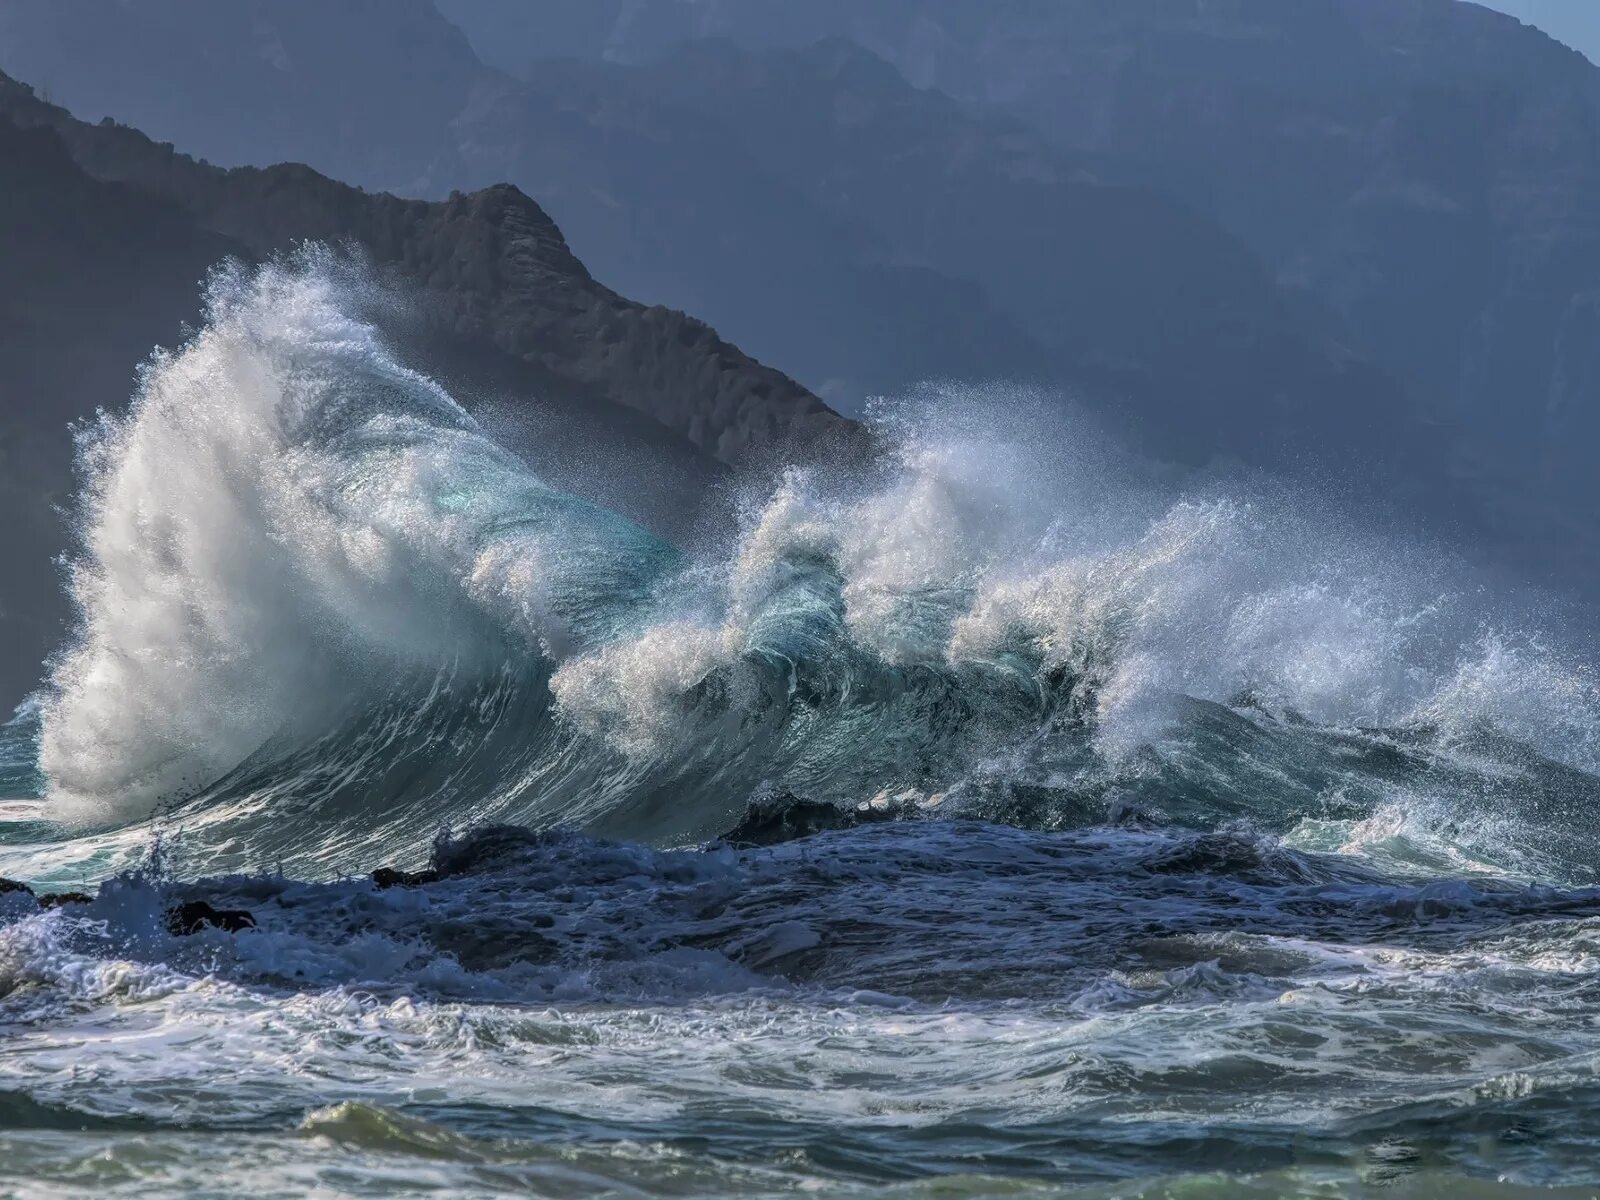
389, 877
45, 899
778, 817
192, 916
183, 919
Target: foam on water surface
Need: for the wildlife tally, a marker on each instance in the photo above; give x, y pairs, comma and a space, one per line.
1210, 847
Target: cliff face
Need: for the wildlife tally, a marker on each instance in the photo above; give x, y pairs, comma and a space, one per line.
105, 238
494, 272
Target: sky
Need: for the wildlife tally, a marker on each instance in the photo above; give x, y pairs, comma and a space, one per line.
1575, 22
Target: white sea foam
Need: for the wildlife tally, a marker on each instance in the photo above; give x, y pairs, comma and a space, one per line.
953, 562
284, 515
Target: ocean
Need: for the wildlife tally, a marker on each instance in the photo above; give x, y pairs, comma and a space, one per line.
991, 821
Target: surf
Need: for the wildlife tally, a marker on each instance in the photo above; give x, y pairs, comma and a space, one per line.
323, 612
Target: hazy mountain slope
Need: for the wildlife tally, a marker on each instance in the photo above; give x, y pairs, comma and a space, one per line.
854, 231
365, 89
840, 224
1428, 170
107, 236
1163, 320
390, 97
494, 270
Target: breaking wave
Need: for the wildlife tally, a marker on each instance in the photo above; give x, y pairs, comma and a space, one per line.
1068, 828
323, 612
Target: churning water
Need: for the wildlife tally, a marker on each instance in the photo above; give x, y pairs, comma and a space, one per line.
1180, 846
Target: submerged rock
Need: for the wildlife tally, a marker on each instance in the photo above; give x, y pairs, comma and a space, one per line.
388, 877
784, 817
194, 915
46, 899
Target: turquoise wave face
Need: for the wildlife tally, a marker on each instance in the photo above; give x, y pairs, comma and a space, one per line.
20, 777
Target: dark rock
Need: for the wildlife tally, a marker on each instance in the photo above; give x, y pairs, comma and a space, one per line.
784, 817
388, 877
48, 899
194, 915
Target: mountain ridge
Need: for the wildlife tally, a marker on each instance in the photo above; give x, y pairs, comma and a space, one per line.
109, 236
266, 209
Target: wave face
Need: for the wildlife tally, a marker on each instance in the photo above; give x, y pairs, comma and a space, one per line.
324, 613
290, 533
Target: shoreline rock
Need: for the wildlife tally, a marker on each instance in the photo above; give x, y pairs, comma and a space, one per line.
44, 899
194, 915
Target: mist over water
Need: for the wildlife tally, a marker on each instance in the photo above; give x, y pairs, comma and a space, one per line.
1220, 824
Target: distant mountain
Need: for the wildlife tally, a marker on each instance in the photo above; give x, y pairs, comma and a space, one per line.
1173, 329
851, 229
1352, 236
365, 89
106, 236
1425, 172
495, 270
390, 96
1573, 22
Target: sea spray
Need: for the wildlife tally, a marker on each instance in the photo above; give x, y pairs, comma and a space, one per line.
287, 525
323, 610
